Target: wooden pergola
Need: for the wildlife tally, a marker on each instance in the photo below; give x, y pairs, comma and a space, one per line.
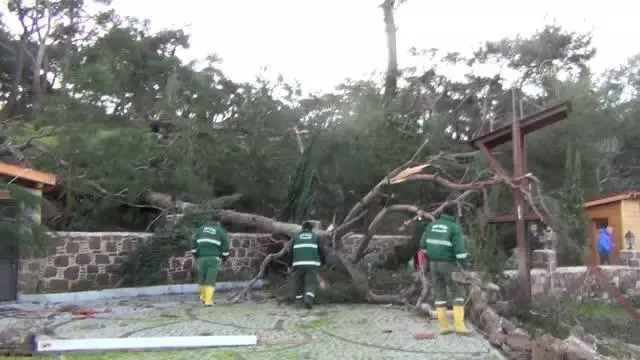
34, 181
515, 133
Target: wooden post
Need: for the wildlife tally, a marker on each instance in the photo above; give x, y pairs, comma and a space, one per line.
516, 134
524, 265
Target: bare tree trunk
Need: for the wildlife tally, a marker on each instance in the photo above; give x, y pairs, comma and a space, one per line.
10, 107
38, 63
391, 78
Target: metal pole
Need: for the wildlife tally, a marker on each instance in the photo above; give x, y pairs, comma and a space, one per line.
524, 266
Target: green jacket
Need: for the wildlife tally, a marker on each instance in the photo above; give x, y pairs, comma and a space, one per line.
306, 249
211, 240
442, 240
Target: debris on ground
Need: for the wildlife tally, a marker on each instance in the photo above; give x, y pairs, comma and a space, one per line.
424, 336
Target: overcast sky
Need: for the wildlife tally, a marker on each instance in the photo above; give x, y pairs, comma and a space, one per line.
321, 42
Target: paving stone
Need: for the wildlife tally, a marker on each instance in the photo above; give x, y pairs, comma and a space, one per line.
285, 332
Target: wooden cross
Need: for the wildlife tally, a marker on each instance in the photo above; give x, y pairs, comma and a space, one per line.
516, 134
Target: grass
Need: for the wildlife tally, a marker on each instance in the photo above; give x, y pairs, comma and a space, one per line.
599, 318
186, 354
284, 354
322, 322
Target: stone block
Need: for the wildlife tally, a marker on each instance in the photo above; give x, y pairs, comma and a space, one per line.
114, 281
72, 247
635, 263
60, 241
58, 285
95, 244
103, 280
72, 272
111, 247
576, 349
547, 348
127, 245
519, 343
81, 285
179, 276
49, 272
102, 259
61, 261
629, 254
92, 269
112, 269
83, 259
34, 266
544, 259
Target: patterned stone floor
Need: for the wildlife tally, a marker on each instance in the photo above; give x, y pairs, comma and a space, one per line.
285, 331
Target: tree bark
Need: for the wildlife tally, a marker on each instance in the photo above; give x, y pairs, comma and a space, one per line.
9, 108
38, 63
391, 78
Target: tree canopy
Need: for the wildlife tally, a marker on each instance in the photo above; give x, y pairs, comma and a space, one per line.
106, 104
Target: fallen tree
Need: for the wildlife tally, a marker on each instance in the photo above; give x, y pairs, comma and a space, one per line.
461, 192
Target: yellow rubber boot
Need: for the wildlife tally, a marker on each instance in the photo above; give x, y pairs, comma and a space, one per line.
442, 320
208, 295
201, 292
458, 318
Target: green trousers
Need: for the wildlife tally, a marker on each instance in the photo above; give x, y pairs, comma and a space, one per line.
208, 270
445, 290
305, 280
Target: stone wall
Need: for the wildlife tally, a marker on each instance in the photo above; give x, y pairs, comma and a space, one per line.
630, 258
79, 261
547, 278
543, 282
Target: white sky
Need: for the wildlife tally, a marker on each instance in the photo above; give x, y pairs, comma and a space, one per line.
321, 42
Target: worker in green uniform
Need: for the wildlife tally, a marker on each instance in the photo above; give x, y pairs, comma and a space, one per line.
307, 258
444, 246
210, 246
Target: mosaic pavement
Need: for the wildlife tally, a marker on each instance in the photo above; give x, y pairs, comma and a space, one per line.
284, 331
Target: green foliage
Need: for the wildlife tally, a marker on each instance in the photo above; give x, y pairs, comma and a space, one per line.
604, 320
126, 116
18, 232
572, 247
301, 189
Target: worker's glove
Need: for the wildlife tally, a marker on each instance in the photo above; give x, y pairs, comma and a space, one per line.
224, 259
422, 260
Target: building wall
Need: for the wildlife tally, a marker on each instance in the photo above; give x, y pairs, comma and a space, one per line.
611, 212
630, 210
79, 261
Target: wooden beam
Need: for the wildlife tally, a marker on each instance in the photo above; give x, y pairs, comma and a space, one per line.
528, 125
611, 198
493, 162
31, 175
523, 297
144, 343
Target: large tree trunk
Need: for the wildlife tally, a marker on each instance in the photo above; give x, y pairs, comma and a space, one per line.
391, 78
